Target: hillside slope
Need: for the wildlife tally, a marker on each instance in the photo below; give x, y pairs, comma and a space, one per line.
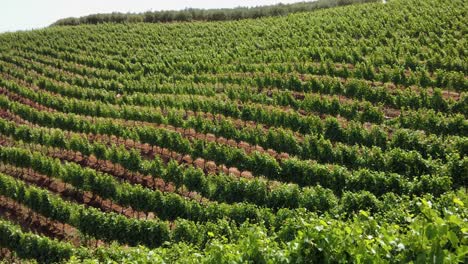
338, 135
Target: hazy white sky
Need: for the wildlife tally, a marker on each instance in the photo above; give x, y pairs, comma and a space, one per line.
30, 14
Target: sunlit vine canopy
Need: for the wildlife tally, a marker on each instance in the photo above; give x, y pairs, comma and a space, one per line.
324, 136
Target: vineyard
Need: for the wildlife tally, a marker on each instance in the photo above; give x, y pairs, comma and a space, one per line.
331, 136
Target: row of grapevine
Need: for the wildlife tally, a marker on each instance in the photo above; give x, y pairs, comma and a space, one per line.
291, 170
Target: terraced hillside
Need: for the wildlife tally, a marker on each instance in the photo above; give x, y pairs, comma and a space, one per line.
338, 135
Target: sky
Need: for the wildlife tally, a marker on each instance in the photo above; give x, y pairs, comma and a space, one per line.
31, 14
